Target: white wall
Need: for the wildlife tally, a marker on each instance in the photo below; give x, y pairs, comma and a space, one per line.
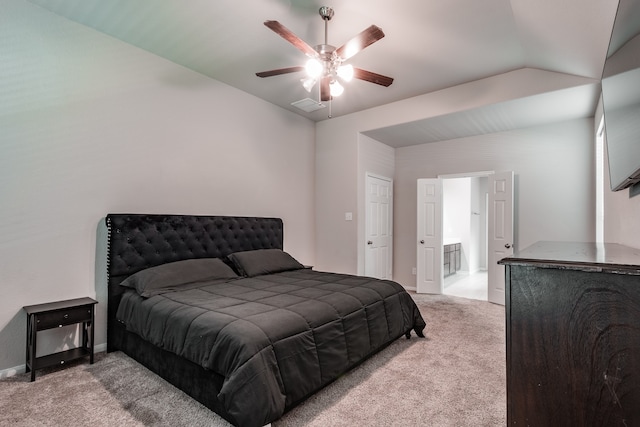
554, 189
90, 125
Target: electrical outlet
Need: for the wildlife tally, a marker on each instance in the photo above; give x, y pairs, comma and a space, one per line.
348, 216
414, 271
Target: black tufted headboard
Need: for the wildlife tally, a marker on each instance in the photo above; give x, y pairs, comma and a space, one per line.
139, 241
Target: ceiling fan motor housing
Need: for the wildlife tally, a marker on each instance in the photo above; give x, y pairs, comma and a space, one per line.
326, 52
331, 61
326, 13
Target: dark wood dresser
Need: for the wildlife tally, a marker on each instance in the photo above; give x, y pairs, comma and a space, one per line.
573, 335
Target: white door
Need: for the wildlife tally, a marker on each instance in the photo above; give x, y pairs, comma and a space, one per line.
500, 238
378, 251
429, 249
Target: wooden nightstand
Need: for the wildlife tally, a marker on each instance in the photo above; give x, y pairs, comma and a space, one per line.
56, 315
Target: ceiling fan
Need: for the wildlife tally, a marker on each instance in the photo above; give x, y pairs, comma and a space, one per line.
326, 63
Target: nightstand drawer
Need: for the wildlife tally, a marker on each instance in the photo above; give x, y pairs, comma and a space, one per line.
58, 318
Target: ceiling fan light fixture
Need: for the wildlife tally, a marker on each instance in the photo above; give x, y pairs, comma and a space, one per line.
308, 83
346, 72
335, 88
324, 65
314, 68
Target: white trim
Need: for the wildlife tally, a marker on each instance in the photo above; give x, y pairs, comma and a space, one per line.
466, 174
599, 181
6, 373
382, 177
600, 131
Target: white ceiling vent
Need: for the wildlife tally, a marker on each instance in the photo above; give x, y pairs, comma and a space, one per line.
309, 105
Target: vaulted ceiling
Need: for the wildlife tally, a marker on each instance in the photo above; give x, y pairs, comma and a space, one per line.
429, 45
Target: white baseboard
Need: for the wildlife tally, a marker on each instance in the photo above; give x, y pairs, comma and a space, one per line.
9, 372
6, 373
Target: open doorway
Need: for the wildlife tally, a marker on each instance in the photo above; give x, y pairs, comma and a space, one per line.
464, 233
430, 262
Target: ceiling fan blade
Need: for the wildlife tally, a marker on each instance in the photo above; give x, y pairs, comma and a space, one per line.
379, 79
286, 34
359, 42
279, 71
325, 91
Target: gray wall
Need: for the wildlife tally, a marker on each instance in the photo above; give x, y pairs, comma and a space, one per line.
554, 188
90, 126
549, 151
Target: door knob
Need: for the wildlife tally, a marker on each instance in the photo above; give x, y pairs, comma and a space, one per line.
369, 242
508, 245
422, 242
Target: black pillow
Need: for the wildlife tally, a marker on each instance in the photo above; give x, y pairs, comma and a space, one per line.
263, 261
165, 277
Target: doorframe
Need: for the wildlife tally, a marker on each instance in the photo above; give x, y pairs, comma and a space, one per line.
362, 245
465, 175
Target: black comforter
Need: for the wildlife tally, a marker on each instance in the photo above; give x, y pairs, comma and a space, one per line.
275, 338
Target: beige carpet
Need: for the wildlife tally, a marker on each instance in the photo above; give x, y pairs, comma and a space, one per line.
454, 377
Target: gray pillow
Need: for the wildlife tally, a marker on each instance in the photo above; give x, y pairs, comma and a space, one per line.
166, 277
263, 261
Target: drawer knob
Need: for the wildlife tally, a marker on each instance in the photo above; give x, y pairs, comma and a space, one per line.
62, 362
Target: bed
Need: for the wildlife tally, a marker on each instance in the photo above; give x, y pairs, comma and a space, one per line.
214, 305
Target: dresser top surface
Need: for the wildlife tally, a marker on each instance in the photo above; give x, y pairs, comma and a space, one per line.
579, 256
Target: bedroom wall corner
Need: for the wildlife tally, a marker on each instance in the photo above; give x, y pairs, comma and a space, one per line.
336, 166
